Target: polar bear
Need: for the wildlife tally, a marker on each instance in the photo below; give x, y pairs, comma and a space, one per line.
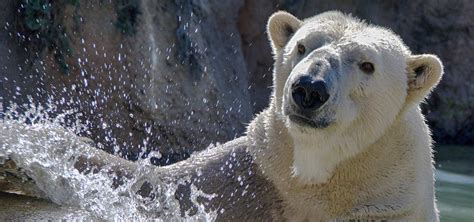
342, 139
344, 136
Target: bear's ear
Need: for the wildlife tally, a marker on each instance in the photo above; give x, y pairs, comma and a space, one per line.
424, 73
281, 26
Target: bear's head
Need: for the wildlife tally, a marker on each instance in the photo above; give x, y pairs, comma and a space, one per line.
339, 84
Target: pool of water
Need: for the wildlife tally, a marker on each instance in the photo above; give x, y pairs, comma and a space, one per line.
455, 189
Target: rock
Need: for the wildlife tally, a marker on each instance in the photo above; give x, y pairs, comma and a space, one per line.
174, 82
15, 207
15, 79
14, 180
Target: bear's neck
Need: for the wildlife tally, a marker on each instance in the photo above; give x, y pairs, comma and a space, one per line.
305, 162
315, 157
271, 146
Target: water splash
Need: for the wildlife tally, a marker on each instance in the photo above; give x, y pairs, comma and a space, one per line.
46, 147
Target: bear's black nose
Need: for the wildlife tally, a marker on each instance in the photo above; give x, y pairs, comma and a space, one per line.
309, 93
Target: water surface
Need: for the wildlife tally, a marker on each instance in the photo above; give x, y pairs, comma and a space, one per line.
455, 183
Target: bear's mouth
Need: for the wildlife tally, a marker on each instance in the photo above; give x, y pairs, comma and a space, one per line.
305, 121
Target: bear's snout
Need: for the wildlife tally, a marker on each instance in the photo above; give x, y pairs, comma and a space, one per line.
309, 93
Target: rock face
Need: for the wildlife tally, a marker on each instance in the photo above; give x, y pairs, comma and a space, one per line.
24, 208
147, 75
175, 76
195, 86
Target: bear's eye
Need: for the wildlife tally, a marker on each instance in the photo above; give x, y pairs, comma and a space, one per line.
367, 67
301, 49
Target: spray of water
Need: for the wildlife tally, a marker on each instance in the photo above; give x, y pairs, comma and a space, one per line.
39, 143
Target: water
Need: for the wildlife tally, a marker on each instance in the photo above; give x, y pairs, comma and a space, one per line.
47, 153
455, 190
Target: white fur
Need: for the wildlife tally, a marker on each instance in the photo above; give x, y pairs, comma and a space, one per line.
373, 160
314, 158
